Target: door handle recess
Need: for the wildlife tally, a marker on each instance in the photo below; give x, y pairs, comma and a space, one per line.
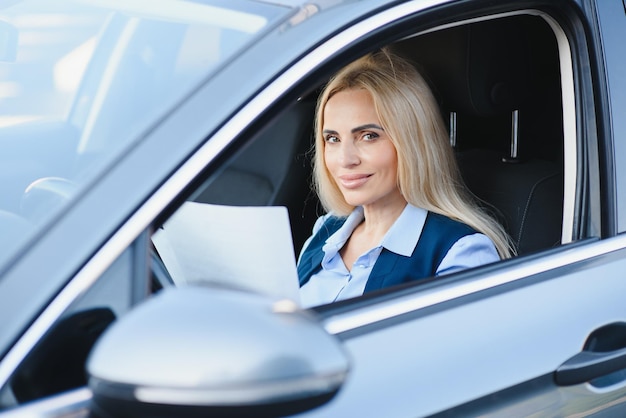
604, 352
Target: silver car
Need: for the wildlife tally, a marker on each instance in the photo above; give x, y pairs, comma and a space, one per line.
138, 137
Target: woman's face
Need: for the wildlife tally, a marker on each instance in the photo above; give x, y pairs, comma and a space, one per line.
357, 151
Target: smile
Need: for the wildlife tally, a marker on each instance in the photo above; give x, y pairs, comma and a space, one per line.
353, 181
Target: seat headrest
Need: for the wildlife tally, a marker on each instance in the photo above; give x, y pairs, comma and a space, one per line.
481, 69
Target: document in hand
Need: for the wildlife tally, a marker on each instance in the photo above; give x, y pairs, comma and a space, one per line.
246, 247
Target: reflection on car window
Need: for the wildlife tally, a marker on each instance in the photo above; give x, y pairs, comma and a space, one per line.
81, 81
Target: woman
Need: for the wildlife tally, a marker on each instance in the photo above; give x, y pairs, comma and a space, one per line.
386, 174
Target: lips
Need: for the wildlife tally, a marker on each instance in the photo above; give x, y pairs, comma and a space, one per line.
353, 181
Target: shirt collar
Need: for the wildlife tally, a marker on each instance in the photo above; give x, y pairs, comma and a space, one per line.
401, 238
403, 235
339, 238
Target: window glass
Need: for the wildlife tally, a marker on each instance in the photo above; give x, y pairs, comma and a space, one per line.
80, 81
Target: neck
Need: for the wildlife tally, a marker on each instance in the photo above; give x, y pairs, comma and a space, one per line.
379, 218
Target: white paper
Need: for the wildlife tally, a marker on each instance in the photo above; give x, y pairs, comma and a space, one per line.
247, 247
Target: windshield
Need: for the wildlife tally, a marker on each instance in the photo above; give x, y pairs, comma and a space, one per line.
80, 81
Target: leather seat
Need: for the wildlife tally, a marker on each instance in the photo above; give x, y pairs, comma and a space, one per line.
527, 196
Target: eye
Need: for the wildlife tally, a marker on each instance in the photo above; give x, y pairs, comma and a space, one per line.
331, 138
369, 136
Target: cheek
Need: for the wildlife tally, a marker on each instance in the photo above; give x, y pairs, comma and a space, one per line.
329, 158
393, 170
386, 158
394, 161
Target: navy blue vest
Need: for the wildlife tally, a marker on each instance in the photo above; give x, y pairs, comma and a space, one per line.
438, 236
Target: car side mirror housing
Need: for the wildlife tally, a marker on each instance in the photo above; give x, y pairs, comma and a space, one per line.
205, 351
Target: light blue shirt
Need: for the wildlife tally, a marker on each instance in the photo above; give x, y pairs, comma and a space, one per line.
335, 282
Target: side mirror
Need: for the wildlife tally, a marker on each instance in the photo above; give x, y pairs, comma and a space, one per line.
205, 351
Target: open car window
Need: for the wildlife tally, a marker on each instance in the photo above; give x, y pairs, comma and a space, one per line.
500, 86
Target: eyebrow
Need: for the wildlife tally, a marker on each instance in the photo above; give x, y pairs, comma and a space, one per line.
358, 128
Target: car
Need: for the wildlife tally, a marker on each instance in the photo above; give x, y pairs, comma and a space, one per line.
119, 118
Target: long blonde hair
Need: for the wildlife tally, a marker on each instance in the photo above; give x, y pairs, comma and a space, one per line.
428, 175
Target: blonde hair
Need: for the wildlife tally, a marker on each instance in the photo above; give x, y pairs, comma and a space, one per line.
428, 175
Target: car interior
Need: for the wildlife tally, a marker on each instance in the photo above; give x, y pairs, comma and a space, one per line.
500, 80
497, 82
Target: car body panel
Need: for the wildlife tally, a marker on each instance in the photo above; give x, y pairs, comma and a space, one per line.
540, 325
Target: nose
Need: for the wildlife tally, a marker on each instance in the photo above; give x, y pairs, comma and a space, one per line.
348, 154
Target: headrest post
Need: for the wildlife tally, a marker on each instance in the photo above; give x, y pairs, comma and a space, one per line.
514, 134
453, 129
513, 155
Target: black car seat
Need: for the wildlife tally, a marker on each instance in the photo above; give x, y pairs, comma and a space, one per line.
498, 82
